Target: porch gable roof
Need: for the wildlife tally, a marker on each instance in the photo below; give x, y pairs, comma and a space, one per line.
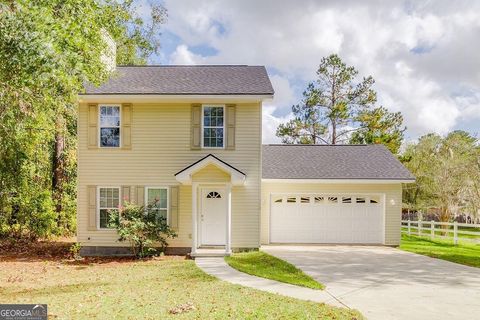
184, 176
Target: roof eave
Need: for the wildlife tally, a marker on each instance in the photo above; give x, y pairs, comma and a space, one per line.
125, 97
341, 181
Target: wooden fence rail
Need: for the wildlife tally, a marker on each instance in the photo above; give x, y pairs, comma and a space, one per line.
446, 230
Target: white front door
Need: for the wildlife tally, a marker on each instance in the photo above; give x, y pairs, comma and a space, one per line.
213, 217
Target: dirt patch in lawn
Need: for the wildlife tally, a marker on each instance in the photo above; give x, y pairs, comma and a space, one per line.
17, 249
23, 250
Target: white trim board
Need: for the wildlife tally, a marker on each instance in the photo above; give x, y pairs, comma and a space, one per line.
337, 181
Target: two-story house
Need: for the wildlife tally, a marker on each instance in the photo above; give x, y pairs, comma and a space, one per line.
187, 135
191, 137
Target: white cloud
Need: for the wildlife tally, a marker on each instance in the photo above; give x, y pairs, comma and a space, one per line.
285, 95
420, 53
270, 124
284, 98
182, 55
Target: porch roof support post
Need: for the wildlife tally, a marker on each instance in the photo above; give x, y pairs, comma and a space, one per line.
228, 246
194, 217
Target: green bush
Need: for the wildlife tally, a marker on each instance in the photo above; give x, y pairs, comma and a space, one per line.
75, 250
41, 222
33, 216
142, 227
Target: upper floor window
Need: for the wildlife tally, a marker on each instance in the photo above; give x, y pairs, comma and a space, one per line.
110, 126
213, 126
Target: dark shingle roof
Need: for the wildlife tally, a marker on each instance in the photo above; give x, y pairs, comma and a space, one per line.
187, 80
332, 162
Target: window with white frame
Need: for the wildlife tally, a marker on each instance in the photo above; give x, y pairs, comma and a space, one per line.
109, 200
109, 126
157, 200
213, 126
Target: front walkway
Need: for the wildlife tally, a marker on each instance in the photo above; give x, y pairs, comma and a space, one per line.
219, 268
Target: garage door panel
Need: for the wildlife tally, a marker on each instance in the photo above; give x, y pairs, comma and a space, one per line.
326, 222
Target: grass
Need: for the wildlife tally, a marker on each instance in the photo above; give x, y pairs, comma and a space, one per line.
263, 265
154, 289
463, 253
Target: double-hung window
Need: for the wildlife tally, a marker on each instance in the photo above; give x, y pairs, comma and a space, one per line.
213, 126
157, 200
109, 200
110, 126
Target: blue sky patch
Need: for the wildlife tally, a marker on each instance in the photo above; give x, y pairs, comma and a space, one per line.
204, 50
420, 49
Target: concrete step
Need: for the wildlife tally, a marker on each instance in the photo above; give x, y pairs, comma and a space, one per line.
209, 253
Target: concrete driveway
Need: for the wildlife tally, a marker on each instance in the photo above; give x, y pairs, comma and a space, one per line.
387, 283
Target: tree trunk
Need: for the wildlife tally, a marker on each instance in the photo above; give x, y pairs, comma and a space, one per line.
58, 168
334, 132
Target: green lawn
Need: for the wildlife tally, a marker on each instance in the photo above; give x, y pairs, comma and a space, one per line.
145, 290
464, 253
263, 265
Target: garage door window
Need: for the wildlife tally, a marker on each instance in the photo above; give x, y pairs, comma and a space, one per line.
304, 199
361, 200
331, 200
346, 200
278, 199
319, 199
326, 199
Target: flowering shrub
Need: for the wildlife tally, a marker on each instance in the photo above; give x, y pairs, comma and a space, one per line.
143, 227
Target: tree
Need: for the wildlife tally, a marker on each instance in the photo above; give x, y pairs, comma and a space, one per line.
378, 126
49, 49
306, 128
447, 174
336, 106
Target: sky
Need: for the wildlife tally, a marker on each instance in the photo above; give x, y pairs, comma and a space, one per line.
424, 55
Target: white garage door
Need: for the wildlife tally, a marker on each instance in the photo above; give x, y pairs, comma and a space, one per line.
326, 218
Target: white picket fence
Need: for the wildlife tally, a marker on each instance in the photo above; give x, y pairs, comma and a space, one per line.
447, 230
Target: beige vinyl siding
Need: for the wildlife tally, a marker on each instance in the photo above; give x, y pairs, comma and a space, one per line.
211, 174
160, 148
393, 203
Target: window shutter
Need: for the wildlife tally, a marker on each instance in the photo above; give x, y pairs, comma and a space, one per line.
230, 127
195, 142
125, 194
126, 123
173, 210
92, 207
140, 195
92, 126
